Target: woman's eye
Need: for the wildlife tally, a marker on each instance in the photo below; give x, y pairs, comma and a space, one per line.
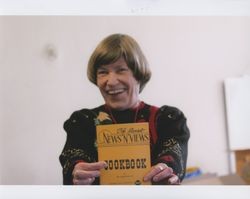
122, 69
101, 72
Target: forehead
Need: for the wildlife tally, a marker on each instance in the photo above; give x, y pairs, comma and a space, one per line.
118, 63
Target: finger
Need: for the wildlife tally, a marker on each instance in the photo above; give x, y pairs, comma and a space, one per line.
174, 180
81, 174
152, 173
86, 181
155, 170
91, 166
164, 174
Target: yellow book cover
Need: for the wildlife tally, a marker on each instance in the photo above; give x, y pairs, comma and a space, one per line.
126, 149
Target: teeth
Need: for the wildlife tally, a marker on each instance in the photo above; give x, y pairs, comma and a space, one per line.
115, 91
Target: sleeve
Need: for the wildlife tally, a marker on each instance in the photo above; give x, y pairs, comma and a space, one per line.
79, 144
172, 142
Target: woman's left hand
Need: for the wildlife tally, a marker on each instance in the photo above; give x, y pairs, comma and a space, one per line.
162, 174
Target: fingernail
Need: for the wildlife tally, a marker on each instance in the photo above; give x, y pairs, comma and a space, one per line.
91, 180
172, 180
105, 165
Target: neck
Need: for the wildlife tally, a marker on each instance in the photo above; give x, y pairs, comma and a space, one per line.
133, 112
133, 107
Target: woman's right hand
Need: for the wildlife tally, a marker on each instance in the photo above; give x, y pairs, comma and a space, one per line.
85, 173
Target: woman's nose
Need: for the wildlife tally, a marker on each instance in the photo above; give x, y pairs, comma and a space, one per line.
112, 79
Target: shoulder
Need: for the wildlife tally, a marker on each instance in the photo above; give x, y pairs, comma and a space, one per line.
170, 113
165, 112
81, 117
171, 121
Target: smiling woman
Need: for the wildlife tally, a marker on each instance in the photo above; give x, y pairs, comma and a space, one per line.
120, 70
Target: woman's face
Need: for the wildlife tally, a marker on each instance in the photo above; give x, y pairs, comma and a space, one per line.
117, 85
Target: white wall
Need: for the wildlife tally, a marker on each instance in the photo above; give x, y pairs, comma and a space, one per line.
189, 56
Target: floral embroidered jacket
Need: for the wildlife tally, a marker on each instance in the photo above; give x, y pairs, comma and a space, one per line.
169, 136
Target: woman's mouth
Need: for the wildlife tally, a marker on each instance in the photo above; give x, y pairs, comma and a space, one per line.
115, 91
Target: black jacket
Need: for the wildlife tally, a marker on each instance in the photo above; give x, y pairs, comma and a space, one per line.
169, 136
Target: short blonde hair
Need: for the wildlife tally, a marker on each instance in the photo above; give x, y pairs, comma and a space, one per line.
115, 46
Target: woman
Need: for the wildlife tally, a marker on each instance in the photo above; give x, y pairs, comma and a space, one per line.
120, 71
